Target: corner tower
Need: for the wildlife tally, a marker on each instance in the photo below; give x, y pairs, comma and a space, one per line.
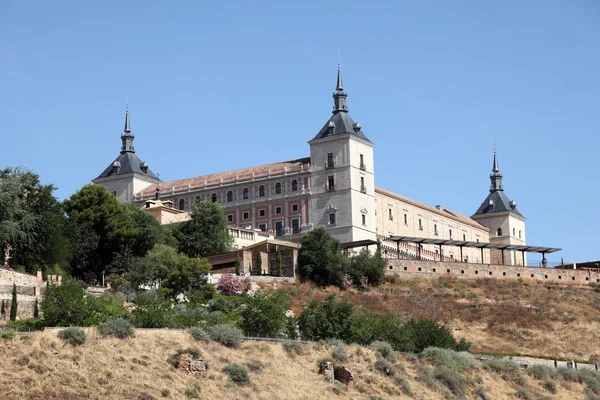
342, 175
500, 215
127, 174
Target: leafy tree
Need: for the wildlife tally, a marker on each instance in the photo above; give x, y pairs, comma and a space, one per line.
13, 306
205, 233
265, 313
36, 309
328, 320
104, 308
367, 267
258, 263
189, 274
65, 305
153, 310
3, 310
278, 262
99, 220
238, 265
320, 258
148, 231
155, 267
423, 333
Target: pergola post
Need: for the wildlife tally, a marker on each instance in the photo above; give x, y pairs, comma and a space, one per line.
502, 256
441, 257
523, 253
419, 248
398, 249
461, 256
482, 255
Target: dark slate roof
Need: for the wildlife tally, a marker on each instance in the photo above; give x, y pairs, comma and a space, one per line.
501, 203
129, 163
343, 125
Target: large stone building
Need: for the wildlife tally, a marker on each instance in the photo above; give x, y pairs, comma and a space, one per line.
334, 187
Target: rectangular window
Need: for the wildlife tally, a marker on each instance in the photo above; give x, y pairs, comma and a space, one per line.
294, 207
329, 160
295, 226
330, 183
435, 231
405, 219
362, 163
230, 218
246, 215
261, 213
279, 228
364, 219
262, 227
464, 237
450, 233
332, 219
277, 210
420, 224
390, 214
363, 188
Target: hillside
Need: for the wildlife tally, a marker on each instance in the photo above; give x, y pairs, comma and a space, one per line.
495, 315
42, 367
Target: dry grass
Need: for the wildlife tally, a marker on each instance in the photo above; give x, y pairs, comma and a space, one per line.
137, 368
568, 324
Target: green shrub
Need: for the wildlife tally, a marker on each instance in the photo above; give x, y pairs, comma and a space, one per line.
550, 386
541, 372
508, 369
524, 393
450, 359
292, 348
7, 335
73, 336
384, 349
425, 375
153, 310
482, 393
27, 324
385, 367
199, 334
589, 395
451, 380
237, 373
591, 379
404, 385
192, 393
117, 327
568, 374
255, 366
165, 393
339, 353
227, 335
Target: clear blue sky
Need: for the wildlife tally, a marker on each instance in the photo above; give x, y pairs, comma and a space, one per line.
215, 86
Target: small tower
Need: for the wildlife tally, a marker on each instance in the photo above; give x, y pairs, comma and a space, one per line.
127, 174
500, 215
342, 175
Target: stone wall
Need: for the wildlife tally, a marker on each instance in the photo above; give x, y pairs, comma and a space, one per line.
29, 288
436, 269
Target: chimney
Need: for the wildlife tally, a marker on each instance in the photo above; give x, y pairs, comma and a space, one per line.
39, 275
439, 207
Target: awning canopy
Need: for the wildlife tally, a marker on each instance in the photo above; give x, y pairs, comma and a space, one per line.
478, 245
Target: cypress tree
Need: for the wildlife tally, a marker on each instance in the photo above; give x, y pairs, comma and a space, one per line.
13, 306
278, 263
3, 310
36, 309
237, 265
258, 263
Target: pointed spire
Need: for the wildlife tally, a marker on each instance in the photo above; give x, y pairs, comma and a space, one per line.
496, 176
127, 127
495, 168
127, 136
339, 97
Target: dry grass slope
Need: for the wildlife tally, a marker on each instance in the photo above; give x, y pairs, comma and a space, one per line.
43, 368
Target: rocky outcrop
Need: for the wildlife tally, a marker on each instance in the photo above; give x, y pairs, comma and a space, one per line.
326, 368
192, 364
343, 374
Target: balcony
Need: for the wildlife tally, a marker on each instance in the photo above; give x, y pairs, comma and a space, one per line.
330, 187
363, 166
363, 189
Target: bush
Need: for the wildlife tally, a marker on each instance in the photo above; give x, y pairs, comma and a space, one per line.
524, 393
384, 349
7, 335
231, 286
237, 373
73, 336
591, 379
550, 386
385, 367
199, 334
508, 369
450, 359
227, 335
292, 348
153, 310
265, 313
339, 353
117, 327
568, 374
28, 324
541, 372
255, 366
482, 394
451, 380
404, 384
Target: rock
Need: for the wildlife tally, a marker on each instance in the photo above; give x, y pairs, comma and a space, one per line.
343, 374
326, 368
53, 350
192, 364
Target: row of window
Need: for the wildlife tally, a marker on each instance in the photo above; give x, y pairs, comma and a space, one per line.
499, 232
331, 161
435, 226
279, 229
262, 212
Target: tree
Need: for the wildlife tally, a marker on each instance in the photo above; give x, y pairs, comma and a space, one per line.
265, 313
3, 310
328, 320
238, 264
13, 306
258, 263
148, 231
205, 233
190, 274
36, 309
278, 263
153, 310
102, 230
320, 258
367, 268
65, 305
154, 268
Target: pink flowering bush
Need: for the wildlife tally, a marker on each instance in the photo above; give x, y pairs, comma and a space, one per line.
346, 282
231, 286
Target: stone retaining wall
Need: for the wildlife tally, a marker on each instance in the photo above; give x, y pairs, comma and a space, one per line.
29, 289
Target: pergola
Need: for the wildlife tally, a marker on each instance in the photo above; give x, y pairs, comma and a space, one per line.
479, 245
359, 243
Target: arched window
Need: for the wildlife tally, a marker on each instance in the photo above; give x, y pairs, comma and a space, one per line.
278, 188
213, 198
294, 185
182, 204
245, 194
229, 196
499, 232
261, 191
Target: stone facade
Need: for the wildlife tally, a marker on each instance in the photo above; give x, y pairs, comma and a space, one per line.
29, 289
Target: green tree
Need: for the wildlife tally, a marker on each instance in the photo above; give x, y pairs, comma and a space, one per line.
258, 263
265, 313
102, 230
148, 231
320, 258
189, 274
13, 305
328, 320
154, 268
205, 233
3, 310
278, 263
36, 309
65, 305
238, 265
367, 265
153, 310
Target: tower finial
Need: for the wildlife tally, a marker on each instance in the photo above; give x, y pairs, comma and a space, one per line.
127, 126
496, 176
339, 96
495, 168
340, 86
127, 136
